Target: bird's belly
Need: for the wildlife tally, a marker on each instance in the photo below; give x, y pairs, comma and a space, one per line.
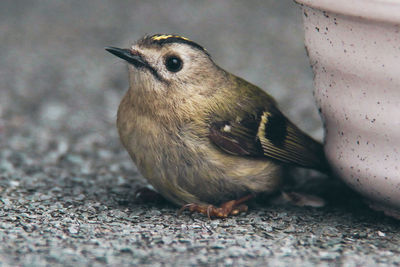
192, 170
205, 175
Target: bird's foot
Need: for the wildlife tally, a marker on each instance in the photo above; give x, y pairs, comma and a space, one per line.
233, 207
303, 200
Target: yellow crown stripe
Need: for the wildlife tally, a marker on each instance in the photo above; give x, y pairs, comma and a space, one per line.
166, 36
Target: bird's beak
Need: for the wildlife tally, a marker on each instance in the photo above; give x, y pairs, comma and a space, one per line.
133, 57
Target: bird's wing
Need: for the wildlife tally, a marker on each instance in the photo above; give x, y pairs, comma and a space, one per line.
267, 133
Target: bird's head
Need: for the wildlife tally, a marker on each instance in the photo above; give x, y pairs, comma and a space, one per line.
165, 62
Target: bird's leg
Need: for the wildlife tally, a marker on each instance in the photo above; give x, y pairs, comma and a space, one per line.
233, 207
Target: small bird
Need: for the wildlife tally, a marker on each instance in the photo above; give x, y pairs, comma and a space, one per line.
200, 135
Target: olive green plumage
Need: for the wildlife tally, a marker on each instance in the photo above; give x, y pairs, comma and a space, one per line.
200, 134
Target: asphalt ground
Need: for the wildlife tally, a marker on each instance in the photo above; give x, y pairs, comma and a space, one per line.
67, 187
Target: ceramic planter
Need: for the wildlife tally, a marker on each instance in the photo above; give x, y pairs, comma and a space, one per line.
354, 49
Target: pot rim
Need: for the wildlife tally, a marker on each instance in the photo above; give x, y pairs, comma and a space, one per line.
379, 10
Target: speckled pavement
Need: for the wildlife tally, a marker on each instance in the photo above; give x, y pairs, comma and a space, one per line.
67, 187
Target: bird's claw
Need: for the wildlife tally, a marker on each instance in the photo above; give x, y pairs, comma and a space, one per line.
233, 207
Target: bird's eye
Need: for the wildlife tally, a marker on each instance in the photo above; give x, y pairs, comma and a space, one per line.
173, 63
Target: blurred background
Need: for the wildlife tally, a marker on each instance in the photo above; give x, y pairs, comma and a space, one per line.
56, 76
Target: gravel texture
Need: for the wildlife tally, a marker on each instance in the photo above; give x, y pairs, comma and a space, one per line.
67, 187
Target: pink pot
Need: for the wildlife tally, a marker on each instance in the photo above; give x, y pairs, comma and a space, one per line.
354, 49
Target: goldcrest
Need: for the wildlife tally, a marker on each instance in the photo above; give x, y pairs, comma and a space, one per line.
200, 135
